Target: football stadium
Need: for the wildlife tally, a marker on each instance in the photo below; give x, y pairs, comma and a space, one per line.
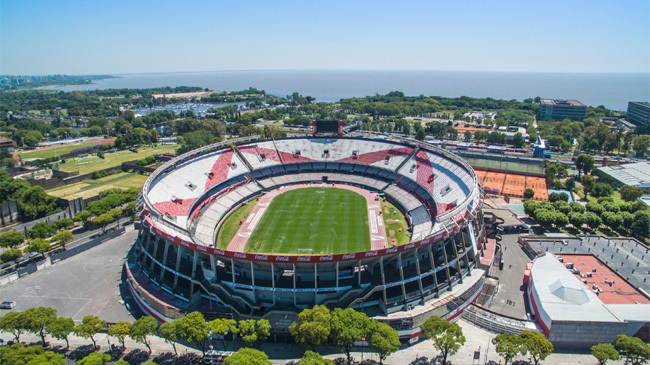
254, 228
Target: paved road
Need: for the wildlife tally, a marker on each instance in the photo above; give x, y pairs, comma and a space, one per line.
509, 299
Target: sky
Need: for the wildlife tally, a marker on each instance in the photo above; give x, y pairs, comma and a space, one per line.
118, 37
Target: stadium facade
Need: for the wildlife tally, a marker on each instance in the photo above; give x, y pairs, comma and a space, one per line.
175, 266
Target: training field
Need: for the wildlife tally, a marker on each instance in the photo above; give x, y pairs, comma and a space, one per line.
326, 220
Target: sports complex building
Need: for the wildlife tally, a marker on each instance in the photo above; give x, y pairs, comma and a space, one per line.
180, 262
585, 291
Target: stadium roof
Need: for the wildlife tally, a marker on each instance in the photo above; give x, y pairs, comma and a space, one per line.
563, 297
633, 174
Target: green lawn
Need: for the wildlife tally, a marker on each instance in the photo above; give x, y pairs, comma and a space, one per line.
326, 220
89, 188
392, 228
49, 152
230, 227
93, 163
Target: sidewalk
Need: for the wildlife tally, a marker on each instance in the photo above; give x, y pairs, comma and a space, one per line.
477, 340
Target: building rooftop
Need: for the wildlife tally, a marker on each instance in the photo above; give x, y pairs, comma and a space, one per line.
561, 102
613, 288
563, 297
634, 174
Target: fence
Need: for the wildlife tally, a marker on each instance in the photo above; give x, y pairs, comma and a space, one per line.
10, 274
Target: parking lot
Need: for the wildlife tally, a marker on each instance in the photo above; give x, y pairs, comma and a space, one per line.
88, 283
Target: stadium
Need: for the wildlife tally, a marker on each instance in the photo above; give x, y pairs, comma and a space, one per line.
307, 221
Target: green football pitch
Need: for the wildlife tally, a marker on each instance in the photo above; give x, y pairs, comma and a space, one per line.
325, 220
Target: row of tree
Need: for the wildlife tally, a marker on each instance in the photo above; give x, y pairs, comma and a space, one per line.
617, 217
342, 327
636, 352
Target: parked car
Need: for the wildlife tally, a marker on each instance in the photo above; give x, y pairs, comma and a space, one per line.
7, 305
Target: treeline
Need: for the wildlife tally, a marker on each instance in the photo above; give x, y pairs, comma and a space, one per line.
12, 82
107, 103
395, 104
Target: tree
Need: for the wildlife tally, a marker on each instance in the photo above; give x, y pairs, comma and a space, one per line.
602, 189
89, 327
193, 140
592, 220
32, 355
447, 337
640, 145
115, 212
507, 346
562, 207
42, 230
529, 193
143, 327
584, 163
555, 197
384, 340
588, 183
14, 323
169, 333
577, 207
630, 193
612, 220
83, 217
34, 203
38, 245
569, 184
63, 237
347, 327
641, 225
246, 356
312, 327
545, 218
64, 223
103, 220
536, 345
577, 219
60, 328
226, 329
637, 352
193, 329
560, 220
95, 358
518, 140
11, 254
37, 319
420, 134
313, 358
120, 330
11, 239
468, 136
604, 352
595, 208
251, 334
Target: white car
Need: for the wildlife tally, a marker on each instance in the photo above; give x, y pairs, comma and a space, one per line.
7, 305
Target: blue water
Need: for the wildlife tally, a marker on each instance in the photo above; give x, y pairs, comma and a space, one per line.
612, 90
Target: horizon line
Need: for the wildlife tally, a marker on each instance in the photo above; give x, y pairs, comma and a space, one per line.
333, 69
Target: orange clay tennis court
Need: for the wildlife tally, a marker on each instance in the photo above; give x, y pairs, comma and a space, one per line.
513, 185
619, 292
